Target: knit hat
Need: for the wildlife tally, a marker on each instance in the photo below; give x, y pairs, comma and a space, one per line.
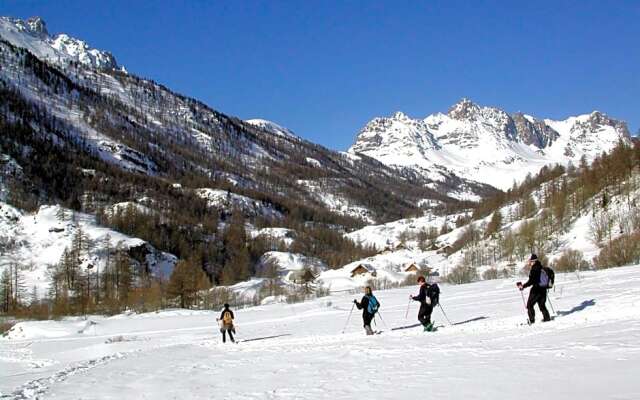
533, 257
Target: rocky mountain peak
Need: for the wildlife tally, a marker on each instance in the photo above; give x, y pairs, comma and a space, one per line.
465, 109
400, 116
37, 26
33, 35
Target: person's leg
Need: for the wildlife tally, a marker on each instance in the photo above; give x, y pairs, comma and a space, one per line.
231, 335
366, 318
533, 299
427, 313
224, 335
542, 304
422, 315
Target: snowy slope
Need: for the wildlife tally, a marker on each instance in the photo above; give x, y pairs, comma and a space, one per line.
37, 241
591, 350
486, 144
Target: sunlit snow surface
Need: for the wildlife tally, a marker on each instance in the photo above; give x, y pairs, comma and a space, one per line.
591, 351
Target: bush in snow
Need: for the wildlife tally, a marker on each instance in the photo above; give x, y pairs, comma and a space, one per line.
569, 261
624, 250
491, 273
462, 274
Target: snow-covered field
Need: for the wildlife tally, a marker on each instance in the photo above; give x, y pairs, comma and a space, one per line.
591, 350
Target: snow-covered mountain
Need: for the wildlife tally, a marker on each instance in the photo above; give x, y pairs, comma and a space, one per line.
486, 144
141, 126
61, 49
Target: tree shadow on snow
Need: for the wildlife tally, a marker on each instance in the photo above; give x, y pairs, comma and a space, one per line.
580, 307
470, 320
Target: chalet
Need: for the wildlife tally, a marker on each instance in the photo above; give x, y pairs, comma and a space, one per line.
412, 268
363, 269
446, 250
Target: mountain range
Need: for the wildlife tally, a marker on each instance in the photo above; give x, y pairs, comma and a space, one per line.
486, 144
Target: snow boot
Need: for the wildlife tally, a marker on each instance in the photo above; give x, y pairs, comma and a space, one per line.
368, 329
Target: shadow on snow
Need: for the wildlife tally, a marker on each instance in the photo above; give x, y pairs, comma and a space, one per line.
580, 307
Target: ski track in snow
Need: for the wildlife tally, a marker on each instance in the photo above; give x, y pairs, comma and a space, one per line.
490, 354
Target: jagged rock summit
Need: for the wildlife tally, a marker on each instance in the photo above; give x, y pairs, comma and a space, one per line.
486, 144
33, 35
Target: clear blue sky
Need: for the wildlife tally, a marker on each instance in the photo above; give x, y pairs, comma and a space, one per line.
325, 68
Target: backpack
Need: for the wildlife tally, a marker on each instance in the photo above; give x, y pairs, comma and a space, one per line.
226, 318
373, 305
433, 292
547, 277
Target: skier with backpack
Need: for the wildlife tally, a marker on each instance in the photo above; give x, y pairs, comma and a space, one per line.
226, 324
540, 280
369, 306
428, 298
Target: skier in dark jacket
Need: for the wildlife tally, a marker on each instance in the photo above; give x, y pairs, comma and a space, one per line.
426, 308
226, 323
363, 305
537, 294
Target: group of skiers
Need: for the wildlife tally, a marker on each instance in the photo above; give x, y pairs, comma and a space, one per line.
540, 280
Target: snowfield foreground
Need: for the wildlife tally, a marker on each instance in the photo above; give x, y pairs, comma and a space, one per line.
590, 351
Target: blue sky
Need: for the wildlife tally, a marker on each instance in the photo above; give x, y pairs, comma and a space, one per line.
325, 68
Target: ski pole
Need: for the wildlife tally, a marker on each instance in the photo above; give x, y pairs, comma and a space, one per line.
445, 314
524, 303
406, 315
551, 304
348, 318
382, 319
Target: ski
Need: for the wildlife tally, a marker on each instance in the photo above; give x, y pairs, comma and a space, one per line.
262, 338
406, 327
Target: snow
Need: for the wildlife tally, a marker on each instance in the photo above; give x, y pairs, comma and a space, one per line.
334, 201
591, 350
272, 128
285, 235
224, 199
387, 268
290, 264
389, 234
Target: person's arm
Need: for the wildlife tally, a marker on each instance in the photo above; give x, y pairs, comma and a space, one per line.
364, 303
421, 295
534, 276
232, 315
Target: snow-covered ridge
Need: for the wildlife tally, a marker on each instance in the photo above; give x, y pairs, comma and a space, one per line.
271, 127
32, 34
487, 144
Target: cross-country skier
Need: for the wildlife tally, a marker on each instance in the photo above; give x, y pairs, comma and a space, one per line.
367, 315
426, 308
538, 292
226, 323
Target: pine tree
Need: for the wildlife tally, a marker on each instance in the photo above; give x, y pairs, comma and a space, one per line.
6, 291
236, 255
186, 281
494, 224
